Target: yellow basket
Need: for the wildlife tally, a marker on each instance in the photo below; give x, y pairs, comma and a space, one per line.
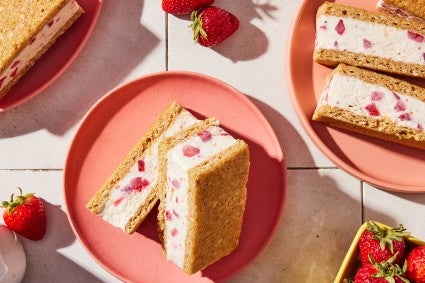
351, 260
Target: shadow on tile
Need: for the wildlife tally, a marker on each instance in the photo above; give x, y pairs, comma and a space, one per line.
108, 57
249, 41
293, 146
44, 261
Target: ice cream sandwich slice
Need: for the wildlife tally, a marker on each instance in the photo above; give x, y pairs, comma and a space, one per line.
369, 39
373, 104
204, 172
131, 191
27, 30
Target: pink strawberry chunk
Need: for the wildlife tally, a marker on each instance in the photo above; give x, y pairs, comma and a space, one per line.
127, 189
118, 201
175, 183
205, 136
376, 95
405, 117
372, 109
141, 165
323, 27
168, 215
2, 81
400, 106
415, 36
340, 27
367, 44
174, 232
190, 151
396, 96
138, 184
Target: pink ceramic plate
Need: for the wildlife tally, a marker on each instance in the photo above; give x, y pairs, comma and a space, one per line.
56, 60
114, 125
382, 164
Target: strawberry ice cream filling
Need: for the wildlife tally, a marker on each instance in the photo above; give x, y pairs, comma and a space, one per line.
38, 42
393, 9
356, 36
184, 156
373, 101
133, 190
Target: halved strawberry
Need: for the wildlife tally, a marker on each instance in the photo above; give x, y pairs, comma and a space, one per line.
25, 215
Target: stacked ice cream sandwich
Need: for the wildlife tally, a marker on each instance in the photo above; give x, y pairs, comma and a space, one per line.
131, 191
367, 101
204, 171
198, 171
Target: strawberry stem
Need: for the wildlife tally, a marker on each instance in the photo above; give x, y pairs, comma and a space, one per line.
12, 203
196, 25
387, 236
388, 270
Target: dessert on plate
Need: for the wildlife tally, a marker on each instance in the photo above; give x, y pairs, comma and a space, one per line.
131, 191
373, 104
199, 173
412, 10
203, 172
371, 40
27, 30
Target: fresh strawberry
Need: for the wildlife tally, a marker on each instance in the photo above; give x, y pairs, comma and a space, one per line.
381, 244
416, 264
213, 25
381, 272
184, 7
25, 215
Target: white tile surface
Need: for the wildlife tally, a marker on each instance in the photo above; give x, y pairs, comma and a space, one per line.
322, 214
130, 40
394, 209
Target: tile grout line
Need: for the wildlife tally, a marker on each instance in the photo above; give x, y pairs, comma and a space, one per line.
312, 168
61, 169
362, 202
30, 169
166, 41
